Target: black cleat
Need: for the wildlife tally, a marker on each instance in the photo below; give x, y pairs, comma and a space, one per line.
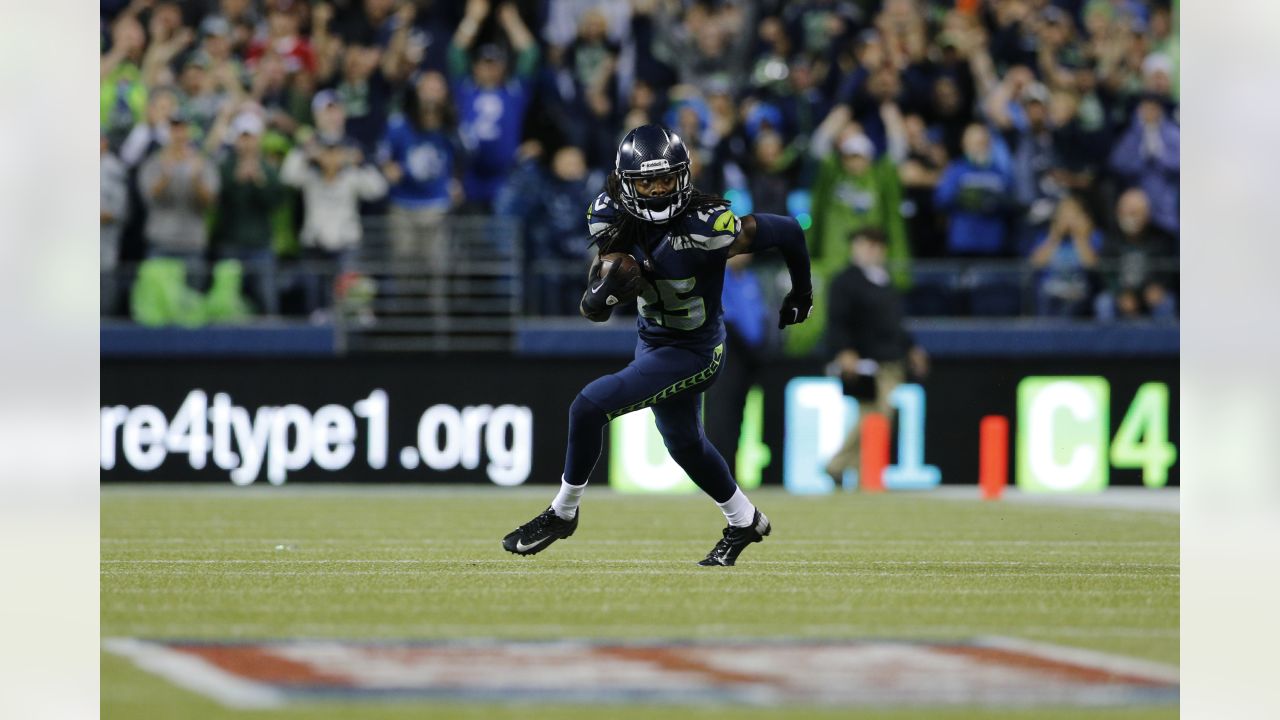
535, 535
726, 551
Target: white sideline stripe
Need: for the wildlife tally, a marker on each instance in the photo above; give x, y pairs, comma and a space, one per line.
864, 541
640, 561
1090, 658
159, 572
801, 589
197, 675
590, 633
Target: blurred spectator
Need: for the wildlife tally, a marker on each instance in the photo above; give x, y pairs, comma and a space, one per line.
123, 94
284, 39
490, 104
1065, 257
251, 191
769, 179
420, 160
178, 184
1138, 279
333, 179
1019, 108
204, 92
769, 74
803, 107
1148, 156
551, 206
855, 191
872, 349
708, 41
822, 25
153, 132
1079, 96
365, 94
113, 202
919, 172
564, 18
283, 96
330, 117
746, 322
167, 38
975, 192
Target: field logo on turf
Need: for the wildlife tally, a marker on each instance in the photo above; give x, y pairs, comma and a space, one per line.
987, 672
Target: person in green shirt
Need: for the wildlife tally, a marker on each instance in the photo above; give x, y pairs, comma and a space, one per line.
853, 191
122, 94
251, 192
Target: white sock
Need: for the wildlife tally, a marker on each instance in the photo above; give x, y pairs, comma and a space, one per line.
566, 502
738, 510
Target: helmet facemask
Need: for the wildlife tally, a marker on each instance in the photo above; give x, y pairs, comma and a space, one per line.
656, 208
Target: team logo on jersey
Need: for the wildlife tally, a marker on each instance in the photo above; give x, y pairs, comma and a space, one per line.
727, 222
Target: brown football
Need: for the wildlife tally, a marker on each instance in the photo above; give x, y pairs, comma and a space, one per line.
619, 263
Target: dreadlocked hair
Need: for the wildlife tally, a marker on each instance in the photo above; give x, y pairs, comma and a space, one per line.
627, 231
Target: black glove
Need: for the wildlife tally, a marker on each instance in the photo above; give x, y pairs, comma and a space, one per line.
797, 306
604, 293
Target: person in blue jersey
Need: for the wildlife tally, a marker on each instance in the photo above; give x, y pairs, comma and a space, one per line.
490, 104
418, 157
681, 239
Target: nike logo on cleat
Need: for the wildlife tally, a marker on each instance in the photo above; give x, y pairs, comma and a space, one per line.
521, 547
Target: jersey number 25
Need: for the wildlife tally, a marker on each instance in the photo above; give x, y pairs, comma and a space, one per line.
661, 303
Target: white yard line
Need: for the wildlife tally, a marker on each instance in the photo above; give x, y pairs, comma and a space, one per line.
1140, 499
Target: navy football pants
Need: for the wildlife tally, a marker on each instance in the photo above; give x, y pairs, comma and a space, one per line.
670, 380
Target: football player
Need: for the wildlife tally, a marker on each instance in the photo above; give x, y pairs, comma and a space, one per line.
681, 239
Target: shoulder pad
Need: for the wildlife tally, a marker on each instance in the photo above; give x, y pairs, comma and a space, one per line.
600, 213
711, 229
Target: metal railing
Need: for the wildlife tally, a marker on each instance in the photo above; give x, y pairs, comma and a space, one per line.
464, 292
463, 284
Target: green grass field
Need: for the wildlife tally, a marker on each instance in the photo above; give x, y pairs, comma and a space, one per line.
420, 563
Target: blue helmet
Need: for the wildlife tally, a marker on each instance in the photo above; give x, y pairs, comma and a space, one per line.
652, 151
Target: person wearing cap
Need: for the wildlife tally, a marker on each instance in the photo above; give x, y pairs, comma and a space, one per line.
178, 184
251, 191
333, 179
329, 116
855, 190
1018, 108
491, 106
872, 352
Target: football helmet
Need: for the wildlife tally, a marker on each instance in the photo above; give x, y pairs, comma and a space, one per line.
652, 151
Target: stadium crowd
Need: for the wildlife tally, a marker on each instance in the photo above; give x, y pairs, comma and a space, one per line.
275, 133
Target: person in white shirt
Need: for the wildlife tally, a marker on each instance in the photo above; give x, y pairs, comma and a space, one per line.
333, 178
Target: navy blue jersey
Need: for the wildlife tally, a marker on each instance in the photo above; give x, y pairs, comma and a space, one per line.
683, 262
